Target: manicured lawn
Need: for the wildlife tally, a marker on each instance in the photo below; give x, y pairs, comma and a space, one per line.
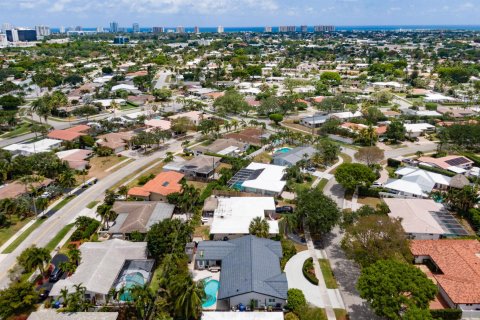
7, 233
341, 314
98, 165
23, 236
155, 170
60, 235
202, 231
330, 281
92, 204
346, 158
22, 128
128, 106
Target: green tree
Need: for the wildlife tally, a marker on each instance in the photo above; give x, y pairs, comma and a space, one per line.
162, 94
19, 297
167, 237
316, 211
396, 131
295, 300
276, 117
367, 136
375, 237
259, 227
35, 258
331, 78
328, 150
392, 287
462, 199
10, 102
353, 175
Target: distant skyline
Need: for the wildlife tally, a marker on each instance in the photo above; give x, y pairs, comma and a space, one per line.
238, 13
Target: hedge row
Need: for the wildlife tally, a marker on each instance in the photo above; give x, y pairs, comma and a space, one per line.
473, 157
393, 163
308, 265
446, 314
437, 170
473, 216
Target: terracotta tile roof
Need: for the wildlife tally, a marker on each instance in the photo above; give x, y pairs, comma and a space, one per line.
79, 128
459, 262
442, 162
164, 184
15, 189
115, 140
64, 135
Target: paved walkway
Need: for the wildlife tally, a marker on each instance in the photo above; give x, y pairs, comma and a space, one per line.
312, 293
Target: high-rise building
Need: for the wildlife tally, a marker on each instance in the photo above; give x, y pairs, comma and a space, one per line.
99, 29
21, 34
180, 30
62, 29
287, 29
42, 31
6, 26
267, 29
196, 29
135, 28
304, 29
3, 40
324, 28
120, 40
158, 30
114, 27
78, 28
220, 29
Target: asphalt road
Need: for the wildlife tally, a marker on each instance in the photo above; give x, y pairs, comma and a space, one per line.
47, 231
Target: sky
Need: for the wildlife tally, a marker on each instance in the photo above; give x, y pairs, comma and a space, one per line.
237, 13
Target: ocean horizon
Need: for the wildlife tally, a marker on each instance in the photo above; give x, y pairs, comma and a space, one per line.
275, 29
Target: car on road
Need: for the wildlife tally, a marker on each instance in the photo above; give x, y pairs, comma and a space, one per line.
311, 169
43, 294
377, 184
284, 209
204, 220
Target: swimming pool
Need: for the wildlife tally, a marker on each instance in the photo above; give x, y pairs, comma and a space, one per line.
211, 289
131, 280
283, 150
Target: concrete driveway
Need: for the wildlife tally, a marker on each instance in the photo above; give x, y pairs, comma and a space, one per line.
312, 293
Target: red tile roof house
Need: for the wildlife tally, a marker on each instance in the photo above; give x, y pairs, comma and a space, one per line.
159, 187
117, 141
69, 134
455, 266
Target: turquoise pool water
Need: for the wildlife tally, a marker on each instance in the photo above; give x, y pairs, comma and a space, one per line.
211, 288
283, 150
131, 280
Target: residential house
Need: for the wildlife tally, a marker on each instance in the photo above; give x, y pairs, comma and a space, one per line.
163, 125
291, 157
223, 147
16, 189
194, 116
201, 167
457, 164
454, 267
158, 188
252, 136
415, 130
415, 183
106, 265
232, 216
117, 141
261, 178
27, 149
53, 314
76, 158
218, 315
138, 216
250, 270
314, 121
417, 217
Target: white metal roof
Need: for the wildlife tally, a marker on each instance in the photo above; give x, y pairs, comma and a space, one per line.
405, 186
34, 147
233, 215
269, 180
242, 315
417, 127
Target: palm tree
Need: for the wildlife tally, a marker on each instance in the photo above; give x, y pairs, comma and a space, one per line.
259, 227
38, 258
74, 255
64, 295
67, 267
189, 296
28, 182
234, 124
143, 300
67, 179
105, 212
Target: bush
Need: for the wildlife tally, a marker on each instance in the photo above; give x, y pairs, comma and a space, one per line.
295, 300
307, 266
446, 314
144, 179
473, 157
368, 192
393, 163
289, 251
103, 151
431, 106
473, 216
291, 316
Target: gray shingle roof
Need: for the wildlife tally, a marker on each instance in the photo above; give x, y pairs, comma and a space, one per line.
296, 154
249, 264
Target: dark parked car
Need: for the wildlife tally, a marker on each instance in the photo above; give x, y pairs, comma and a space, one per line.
56, 275
284, 209
44, 294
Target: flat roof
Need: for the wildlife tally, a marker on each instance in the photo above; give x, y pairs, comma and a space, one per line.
269, 179
43, 145
233, 215
53, 314
242, 315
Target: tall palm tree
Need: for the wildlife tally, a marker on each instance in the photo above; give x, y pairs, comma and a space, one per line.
38, 258
143, 300
74, 255
28, 182
67, 179
259, 227
190, 294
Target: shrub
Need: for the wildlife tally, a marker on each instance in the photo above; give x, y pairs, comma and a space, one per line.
307, 267
431, 106
393, 163
368, 192
295, 300
291, 316
144, 179
437, 170
289, 251
446, 314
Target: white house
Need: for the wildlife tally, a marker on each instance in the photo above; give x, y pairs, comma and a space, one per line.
261, 178
415, 130
233, 216
26, 149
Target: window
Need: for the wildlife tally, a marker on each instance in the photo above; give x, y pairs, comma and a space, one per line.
271, 300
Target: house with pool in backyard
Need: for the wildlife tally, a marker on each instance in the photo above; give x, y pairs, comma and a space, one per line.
248, 272
107, 265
